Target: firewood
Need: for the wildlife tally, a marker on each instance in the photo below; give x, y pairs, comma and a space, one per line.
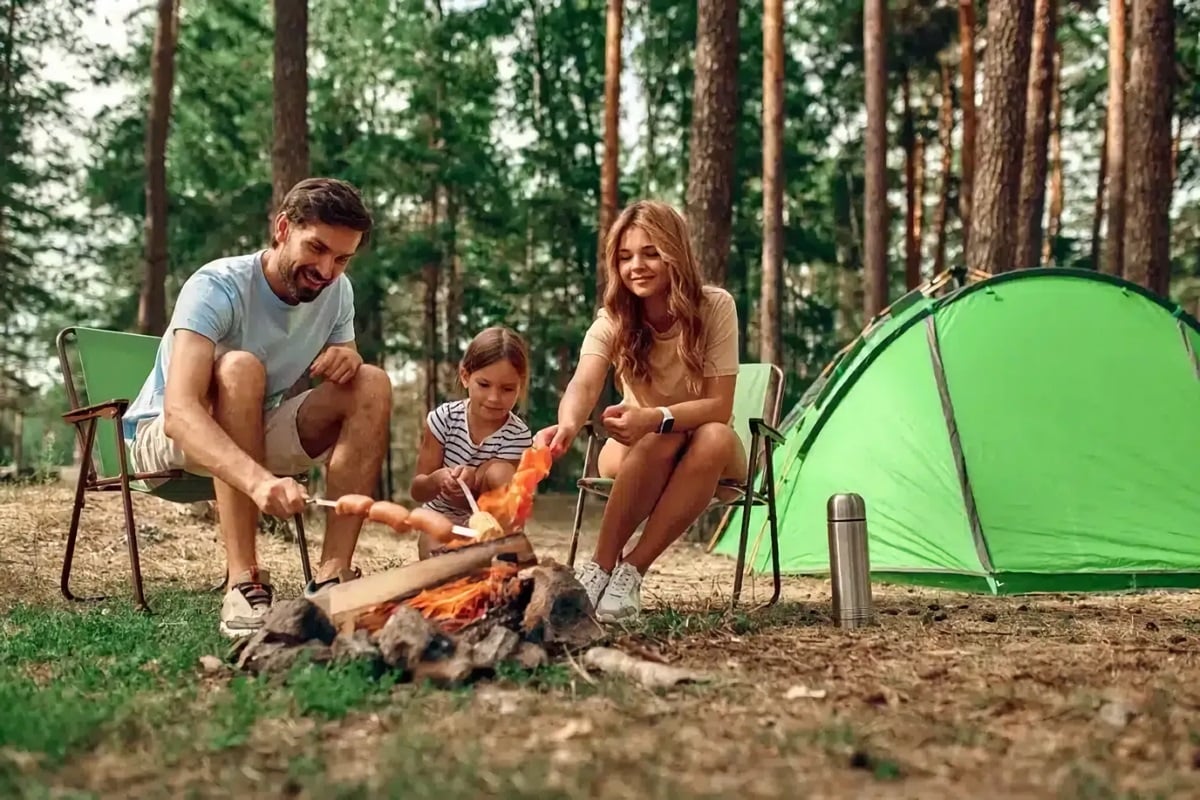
400, 583
559, 611
650, 674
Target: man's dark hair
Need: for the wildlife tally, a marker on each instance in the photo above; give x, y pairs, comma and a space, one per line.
329, 201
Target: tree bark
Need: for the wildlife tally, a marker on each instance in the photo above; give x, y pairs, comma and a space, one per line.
612, 132
946, 139
908, 137
992, 245
875, 209
1054, 225
1115, 139
152, 301
966, 40
771, 341
1147, 246
1032, 198
289, 150
714, 130
1098, 210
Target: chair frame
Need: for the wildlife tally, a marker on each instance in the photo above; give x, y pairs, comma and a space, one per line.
763, 436
85, 419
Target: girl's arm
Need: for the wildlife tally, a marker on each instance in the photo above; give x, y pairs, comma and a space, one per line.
430, 471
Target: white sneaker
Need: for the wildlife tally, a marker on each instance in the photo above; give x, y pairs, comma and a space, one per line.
623, 596
593, 578
246, 603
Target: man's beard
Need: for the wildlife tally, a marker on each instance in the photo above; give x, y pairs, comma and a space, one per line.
291, 272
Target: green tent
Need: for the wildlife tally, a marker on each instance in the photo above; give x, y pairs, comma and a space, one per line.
1035, 431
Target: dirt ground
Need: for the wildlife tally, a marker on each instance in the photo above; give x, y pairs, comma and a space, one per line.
949, 695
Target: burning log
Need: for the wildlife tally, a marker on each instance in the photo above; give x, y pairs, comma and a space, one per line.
349, 599
447, 619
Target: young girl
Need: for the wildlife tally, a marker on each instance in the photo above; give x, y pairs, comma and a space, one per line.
478, 439
674, 344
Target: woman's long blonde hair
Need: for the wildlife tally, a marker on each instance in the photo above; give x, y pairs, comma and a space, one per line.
667, 231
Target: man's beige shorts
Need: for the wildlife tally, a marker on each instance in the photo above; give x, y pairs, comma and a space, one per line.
153, 451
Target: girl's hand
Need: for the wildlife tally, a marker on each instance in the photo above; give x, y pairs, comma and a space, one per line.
629, 424
446, 483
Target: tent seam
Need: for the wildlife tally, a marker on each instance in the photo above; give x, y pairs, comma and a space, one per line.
960, 460
1187, 345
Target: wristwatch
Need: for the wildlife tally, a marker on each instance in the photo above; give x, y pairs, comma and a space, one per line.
668, 421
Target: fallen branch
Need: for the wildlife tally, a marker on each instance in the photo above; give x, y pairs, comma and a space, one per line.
647, 673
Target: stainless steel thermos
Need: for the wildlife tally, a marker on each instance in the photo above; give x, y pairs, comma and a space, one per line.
849, 561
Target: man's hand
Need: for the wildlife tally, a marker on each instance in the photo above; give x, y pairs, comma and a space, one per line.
629, 424
336, 364
280, 497
555, 437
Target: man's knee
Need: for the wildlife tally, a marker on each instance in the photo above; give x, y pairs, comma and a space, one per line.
372, 382
239, 371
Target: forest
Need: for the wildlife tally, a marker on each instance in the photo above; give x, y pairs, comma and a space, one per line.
829, 156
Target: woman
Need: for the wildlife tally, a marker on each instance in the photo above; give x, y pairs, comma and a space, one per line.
674, 345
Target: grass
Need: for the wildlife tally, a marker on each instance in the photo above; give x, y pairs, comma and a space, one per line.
950, 695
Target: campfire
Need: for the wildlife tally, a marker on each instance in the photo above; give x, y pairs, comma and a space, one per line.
478, 601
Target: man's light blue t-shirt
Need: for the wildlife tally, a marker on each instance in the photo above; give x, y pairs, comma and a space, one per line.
230, 302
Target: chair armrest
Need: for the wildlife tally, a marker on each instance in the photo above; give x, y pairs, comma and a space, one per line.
109, 409
757, 425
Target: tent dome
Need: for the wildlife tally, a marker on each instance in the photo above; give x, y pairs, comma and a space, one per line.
1035, 431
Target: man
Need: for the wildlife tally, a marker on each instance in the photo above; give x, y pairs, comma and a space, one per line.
244, 330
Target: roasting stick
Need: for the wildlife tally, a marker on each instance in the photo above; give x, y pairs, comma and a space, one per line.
459, 530
470, 497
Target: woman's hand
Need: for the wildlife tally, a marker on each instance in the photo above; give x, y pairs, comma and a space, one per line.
557, 438
628, 424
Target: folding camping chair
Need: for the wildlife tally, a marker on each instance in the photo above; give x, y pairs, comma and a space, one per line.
756, 406
113, 365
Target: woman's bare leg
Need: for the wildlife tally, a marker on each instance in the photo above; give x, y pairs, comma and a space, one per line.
641, 473
713, 452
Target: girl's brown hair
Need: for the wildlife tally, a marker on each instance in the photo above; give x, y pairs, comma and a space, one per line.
494, 344
667, 230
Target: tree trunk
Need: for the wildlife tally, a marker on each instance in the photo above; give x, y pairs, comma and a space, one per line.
612, 136
454, 291
714, 130
908, 138
771, 342
875, 209
289, 151
997, 181
1098, 210
1032, 199
152, 301
1115, 139
946, 139
966, 43
1147, 245
1054, 225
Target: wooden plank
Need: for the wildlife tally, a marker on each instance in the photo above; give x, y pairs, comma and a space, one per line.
403, 582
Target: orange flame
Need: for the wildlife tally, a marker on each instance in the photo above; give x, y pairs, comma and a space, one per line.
511, 505
456, 604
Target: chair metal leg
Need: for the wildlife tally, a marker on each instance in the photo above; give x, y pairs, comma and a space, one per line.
575, 529
771, 516
80, 492
747, 505
302, 543
130, 527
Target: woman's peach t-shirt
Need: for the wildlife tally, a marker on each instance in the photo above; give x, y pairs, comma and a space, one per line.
668, 374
